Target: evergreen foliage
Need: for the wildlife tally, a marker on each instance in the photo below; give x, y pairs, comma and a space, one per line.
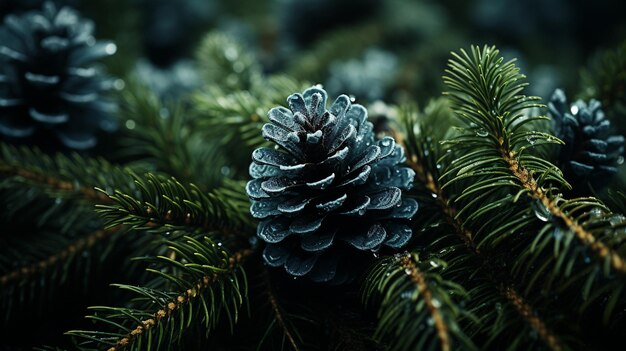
167, 241
199, 283
605, 80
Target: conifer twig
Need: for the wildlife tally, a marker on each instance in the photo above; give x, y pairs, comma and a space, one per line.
507, 291
165, 311
536, 192
526, 311
451, 213
417, 277
90, 194
81, 244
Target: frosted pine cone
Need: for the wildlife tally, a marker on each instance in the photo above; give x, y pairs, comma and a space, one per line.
329, 190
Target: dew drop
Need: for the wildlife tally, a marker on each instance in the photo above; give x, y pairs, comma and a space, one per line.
110, 48
375, 253
436, 303
119, 84
482, 133
433, 195
541, 211
130, 124
230, 53
595, 212
620, 160
558, 234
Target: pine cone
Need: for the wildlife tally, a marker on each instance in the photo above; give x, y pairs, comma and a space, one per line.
590, 154
328, 192
47, 80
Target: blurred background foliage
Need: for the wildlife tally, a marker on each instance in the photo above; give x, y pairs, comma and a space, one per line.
403, 44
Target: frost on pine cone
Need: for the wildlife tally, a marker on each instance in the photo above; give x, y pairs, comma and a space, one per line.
47, 79
590, 153
329, 191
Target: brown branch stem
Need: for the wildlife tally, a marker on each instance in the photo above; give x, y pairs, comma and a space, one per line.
418, 278
80, 245
536, 192
178, 302
62, 185
507, 291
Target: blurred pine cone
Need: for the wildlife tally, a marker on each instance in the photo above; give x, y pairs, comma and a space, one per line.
48, 81
590, 153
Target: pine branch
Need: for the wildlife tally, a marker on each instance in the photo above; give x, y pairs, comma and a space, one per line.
63, 175
160, 136
408, 263
527, 312
492, 162
80, 245
234, 120
551, 204
224, 62
206, 283
163, 205
485, 92
522, 307
413, 293
47, 249
422, 158
175, 304
52, 182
